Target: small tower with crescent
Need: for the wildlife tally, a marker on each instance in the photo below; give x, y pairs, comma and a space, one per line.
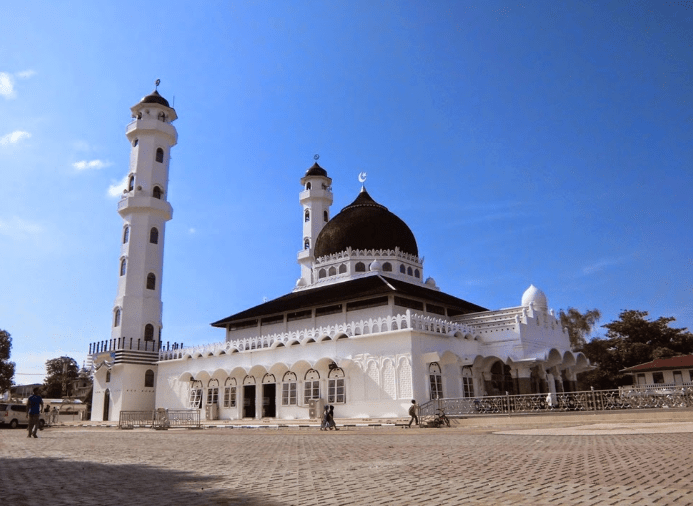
315, 199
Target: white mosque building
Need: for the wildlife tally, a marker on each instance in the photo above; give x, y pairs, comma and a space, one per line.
363, 329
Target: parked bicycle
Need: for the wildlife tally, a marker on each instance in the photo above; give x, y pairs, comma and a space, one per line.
440, 420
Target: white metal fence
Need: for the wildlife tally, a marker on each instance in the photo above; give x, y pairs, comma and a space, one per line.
593, 400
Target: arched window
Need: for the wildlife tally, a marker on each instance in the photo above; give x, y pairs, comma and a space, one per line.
230, 393
135, 143
151, 281
402, 269
149, 378
306, 216
308, 186
306, 243
126, 234
467, 381
289, 394
159, 155
149, 332
123, 267
332, 271
161, 116
409, 271
213, 391
108, 376
387, 267
416, 273
131, 183
342, 269
322, 274
156, 192
116, 318
311, 385
325, 216
336, 387
436, 380
360, 267
154, 235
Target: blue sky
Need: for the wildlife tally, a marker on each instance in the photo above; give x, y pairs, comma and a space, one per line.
522, 142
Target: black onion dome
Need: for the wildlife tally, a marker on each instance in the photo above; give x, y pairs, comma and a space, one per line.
316, 170
365, 224
154, 98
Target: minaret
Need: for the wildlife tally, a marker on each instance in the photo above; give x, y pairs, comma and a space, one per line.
316, 199
145, 210
127, 382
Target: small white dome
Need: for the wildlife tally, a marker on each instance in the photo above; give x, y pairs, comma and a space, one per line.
300, 282
533, 294
375, 266
430, 281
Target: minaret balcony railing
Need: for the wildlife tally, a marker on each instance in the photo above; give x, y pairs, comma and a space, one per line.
130, 344
140, 199
153, 124
315, 193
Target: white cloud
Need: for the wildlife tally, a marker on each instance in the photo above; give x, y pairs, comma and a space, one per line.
14, 137
93, 164
115, 190
26, 74
6, 85
192, 230
603, 264
15, 227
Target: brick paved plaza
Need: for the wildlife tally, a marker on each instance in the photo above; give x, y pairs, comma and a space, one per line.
378, 466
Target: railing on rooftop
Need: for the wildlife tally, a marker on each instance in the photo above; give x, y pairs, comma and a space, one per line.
593, 400
407, 320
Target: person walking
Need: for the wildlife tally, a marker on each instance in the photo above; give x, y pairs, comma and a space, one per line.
325, 423
35, 406
414, 412
54, 416
331, 423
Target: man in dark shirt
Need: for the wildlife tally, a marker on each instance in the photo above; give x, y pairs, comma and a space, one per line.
34, 405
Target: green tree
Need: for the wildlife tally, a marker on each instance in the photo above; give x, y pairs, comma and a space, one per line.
59, 372
629, 341
579, 325
6, 367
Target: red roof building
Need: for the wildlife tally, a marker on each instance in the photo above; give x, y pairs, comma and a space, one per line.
668, 371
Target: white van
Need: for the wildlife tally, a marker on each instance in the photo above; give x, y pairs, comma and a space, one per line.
15, 414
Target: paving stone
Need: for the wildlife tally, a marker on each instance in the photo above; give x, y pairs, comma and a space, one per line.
369, 466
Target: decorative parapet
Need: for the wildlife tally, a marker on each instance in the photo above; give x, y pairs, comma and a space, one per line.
371, 326
350, 253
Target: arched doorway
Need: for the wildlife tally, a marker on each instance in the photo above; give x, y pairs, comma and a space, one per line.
501, 380
249, 397
106, 403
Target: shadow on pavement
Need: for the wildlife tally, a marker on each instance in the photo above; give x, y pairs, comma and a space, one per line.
55, 481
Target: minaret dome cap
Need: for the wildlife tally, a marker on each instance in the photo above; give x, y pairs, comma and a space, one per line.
316, 170
154, 98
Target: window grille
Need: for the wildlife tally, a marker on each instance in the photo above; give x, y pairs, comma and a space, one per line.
230, 397
195, 399
436, 381
336, 392
311, 390
212, 395
289, 396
